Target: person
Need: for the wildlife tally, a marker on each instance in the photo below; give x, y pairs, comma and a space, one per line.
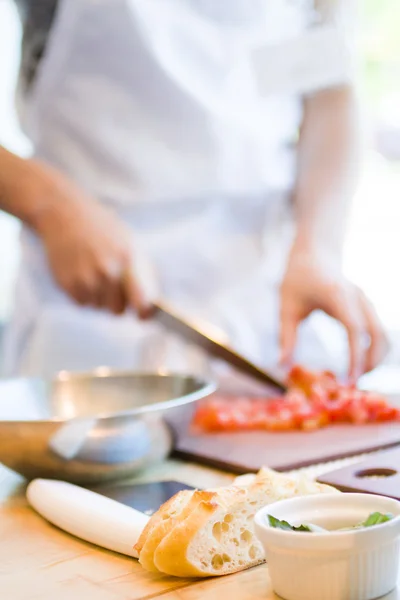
196, 151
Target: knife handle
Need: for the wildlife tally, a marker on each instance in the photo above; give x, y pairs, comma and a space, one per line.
87, 515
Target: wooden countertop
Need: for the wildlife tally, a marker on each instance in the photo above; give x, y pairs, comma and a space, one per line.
40, 562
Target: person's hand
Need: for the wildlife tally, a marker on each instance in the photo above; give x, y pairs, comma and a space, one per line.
89, 249
311, 283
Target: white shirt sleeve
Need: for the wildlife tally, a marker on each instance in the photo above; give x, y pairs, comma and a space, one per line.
340, 18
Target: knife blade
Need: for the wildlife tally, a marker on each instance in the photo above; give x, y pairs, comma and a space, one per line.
192, 333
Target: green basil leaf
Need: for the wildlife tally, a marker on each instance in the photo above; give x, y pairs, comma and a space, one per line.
376, 518
277, 524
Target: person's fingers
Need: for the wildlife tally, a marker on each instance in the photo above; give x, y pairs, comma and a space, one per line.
289, 323
78, 291
102, 293
93, 287
77, 280
109, 289
356, 349
115, 299
343, 305
379, 345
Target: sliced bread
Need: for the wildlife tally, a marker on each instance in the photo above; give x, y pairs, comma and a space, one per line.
211, 532
160, 524
215, 538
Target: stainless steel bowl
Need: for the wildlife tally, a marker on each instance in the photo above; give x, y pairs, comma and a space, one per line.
93, 427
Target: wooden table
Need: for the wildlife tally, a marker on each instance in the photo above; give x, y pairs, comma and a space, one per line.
41, 562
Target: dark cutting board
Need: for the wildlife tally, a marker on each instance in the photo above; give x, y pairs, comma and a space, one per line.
248, 452
361, 476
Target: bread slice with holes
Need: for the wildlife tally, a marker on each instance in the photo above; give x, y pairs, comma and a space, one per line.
159, 525
214, 539
181, 506
212, 532
176, 509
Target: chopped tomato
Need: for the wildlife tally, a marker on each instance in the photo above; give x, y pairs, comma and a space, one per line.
282, 420
310, 417
358, 412
301, 379
316, 422
313, 400
387, 413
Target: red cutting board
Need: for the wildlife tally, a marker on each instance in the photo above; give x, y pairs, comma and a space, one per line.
361, 476
248, 452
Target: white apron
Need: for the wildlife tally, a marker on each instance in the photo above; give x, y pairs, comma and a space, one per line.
154, 107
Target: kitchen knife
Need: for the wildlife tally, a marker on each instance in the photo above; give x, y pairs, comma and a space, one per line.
108, 515
192, 333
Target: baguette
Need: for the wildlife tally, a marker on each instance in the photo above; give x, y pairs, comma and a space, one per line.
211, 533
160, 524
300, 485
176, 509
181, 508
216, 538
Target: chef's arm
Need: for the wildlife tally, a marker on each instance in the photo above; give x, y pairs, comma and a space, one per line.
21, 192
36, 194
327, 168
328, 157
88, 247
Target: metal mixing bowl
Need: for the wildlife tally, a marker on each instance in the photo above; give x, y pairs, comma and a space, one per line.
93, 427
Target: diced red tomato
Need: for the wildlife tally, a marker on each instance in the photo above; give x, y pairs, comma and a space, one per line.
313, 400
314, 423
301, 379
387, 413
282, 420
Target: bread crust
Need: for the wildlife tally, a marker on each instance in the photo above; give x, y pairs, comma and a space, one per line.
170, 556
163, 526
155, 519
166, 543
160, 525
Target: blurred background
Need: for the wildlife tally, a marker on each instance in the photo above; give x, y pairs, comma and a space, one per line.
373, 242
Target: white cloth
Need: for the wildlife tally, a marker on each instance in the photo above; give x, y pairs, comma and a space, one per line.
154, 107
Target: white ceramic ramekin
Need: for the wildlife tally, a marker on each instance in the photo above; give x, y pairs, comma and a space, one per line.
361, 564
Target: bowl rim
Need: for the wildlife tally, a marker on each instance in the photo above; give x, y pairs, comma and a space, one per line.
261, 521
207, 386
